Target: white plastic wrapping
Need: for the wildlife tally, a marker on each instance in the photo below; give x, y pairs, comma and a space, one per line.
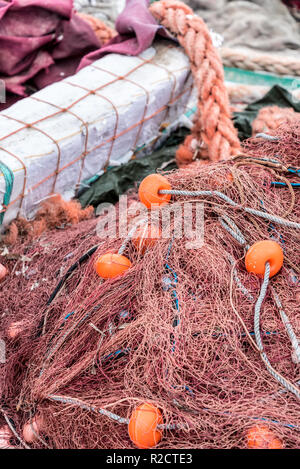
79, 133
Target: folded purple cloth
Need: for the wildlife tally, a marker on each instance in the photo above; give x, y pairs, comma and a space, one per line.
137, 29
42, 41
36, 38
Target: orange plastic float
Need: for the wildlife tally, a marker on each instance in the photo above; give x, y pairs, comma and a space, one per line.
32, 428
142, 426
149, 188
261, 437
3, 272
111, 265
262, 252
145, 237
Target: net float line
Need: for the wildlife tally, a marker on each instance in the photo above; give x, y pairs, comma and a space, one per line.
162, 364
258, 213
13, 430
239, 237
184, 193
257, 61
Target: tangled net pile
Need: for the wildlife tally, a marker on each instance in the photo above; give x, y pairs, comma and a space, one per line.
271, 117
54, 212
175, 330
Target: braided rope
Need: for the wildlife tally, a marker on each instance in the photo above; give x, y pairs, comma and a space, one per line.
236, 234
285, 383
13, 430
107, 413
213, 135
232, 228
288, 327
130, 235
103, 32
271, 138
238, 281
252, 211
260, 62
83, 405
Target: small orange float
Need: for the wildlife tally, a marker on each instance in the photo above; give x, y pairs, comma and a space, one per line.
145, 237
3, 272
261, 437
142, 426
262, 252
111, 265
32, 429
149, 190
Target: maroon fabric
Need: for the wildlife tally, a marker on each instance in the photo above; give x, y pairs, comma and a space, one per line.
292, 3
60, 7
78, 39
43, 41
36, 36
137, 29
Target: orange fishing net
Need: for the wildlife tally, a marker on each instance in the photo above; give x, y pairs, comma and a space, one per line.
177, 331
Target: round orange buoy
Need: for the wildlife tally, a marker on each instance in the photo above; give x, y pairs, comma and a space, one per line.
30, 428
3, 272
146, 236
111, 265
262, 252
149, 188
261, 437
142, 426
15, 329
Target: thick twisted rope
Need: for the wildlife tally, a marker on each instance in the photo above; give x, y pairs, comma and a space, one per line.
103, 32
260, 62
235, 232
107, 413
271, 138
125, 421
131, 234
289, 328
284, 382
252, 211
213, 135
232, 228
13, 430
83, 405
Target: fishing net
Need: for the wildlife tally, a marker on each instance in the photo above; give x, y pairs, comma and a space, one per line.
176, 330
